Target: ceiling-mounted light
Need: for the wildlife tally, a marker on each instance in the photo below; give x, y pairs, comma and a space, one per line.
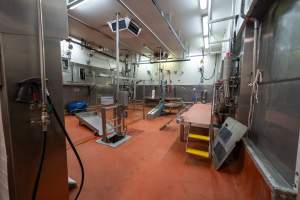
72, 4
125, 24
203, 4
205, 25
206, 43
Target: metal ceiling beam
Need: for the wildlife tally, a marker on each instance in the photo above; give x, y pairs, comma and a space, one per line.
219, 42
91, 48
161, 12
222, 19
153, 33
162, 61
103, 34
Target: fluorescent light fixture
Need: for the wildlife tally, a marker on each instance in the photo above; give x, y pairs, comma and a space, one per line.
72, 4
203, 4
205, 25
206, 42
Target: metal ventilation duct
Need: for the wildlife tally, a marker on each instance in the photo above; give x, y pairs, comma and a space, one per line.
125, 24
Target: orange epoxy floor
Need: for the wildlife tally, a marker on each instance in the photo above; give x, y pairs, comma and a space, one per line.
152, 165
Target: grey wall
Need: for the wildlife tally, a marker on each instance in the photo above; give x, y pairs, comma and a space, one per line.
89, 94
276, 121
182, 91
89, 89
94, 86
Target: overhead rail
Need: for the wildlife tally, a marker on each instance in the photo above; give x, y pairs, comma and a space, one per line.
167, 20
91, 48
219, 42
102, 33
211, 21
153, 33
222, 19
163, 61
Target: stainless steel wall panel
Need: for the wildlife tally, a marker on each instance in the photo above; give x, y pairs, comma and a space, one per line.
75, 93
281, 42
89, 89
20, 17
89, 94
246, 74
276, 126
182, 91
21, 62
276, 119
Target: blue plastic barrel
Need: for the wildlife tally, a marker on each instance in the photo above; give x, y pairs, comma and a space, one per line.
75, 106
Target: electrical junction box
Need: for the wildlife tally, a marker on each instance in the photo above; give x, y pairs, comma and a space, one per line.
231, 132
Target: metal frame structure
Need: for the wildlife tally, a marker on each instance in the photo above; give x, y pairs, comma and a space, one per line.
118, 128
118, 121
168, 21
122, 3
219, 20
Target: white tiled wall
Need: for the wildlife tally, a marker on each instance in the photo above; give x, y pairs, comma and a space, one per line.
181, 73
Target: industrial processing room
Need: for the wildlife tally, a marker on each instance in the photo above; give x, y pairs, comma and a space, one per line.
149, 99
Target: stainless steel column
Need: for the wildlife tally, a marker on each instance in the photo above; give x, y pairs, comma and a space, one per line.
117, 54
20, 60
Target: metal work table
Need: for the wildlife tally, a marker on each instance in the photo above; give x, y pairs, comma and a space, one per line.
93, 121
198, 115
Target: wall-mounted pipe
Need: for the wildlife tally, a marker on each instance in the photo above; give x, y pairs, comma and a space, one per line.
118, 55
162, 61
91, 48
226, 74
222, 19
42, 50
255, 42
219, 42
161, 12
144, 24
207, 54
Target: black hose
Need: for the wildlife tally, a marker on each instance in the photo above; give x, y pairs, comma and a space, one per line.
71, 144
38, 177
213, 74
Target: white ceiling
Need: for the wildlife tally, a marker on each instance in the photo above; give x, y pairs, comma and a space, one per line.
186, 18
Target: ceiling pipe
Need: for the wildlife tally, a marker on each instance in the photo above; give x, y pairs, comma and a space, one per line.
209, 28
90, 27
161, 12
102, 33
222, 19
212, 21
219, 42
91, 48
207, 54
162, 61
153, 33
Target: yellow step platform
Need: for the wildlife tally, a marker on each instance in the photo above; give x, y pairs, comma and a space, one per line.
198, 137
196, 152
